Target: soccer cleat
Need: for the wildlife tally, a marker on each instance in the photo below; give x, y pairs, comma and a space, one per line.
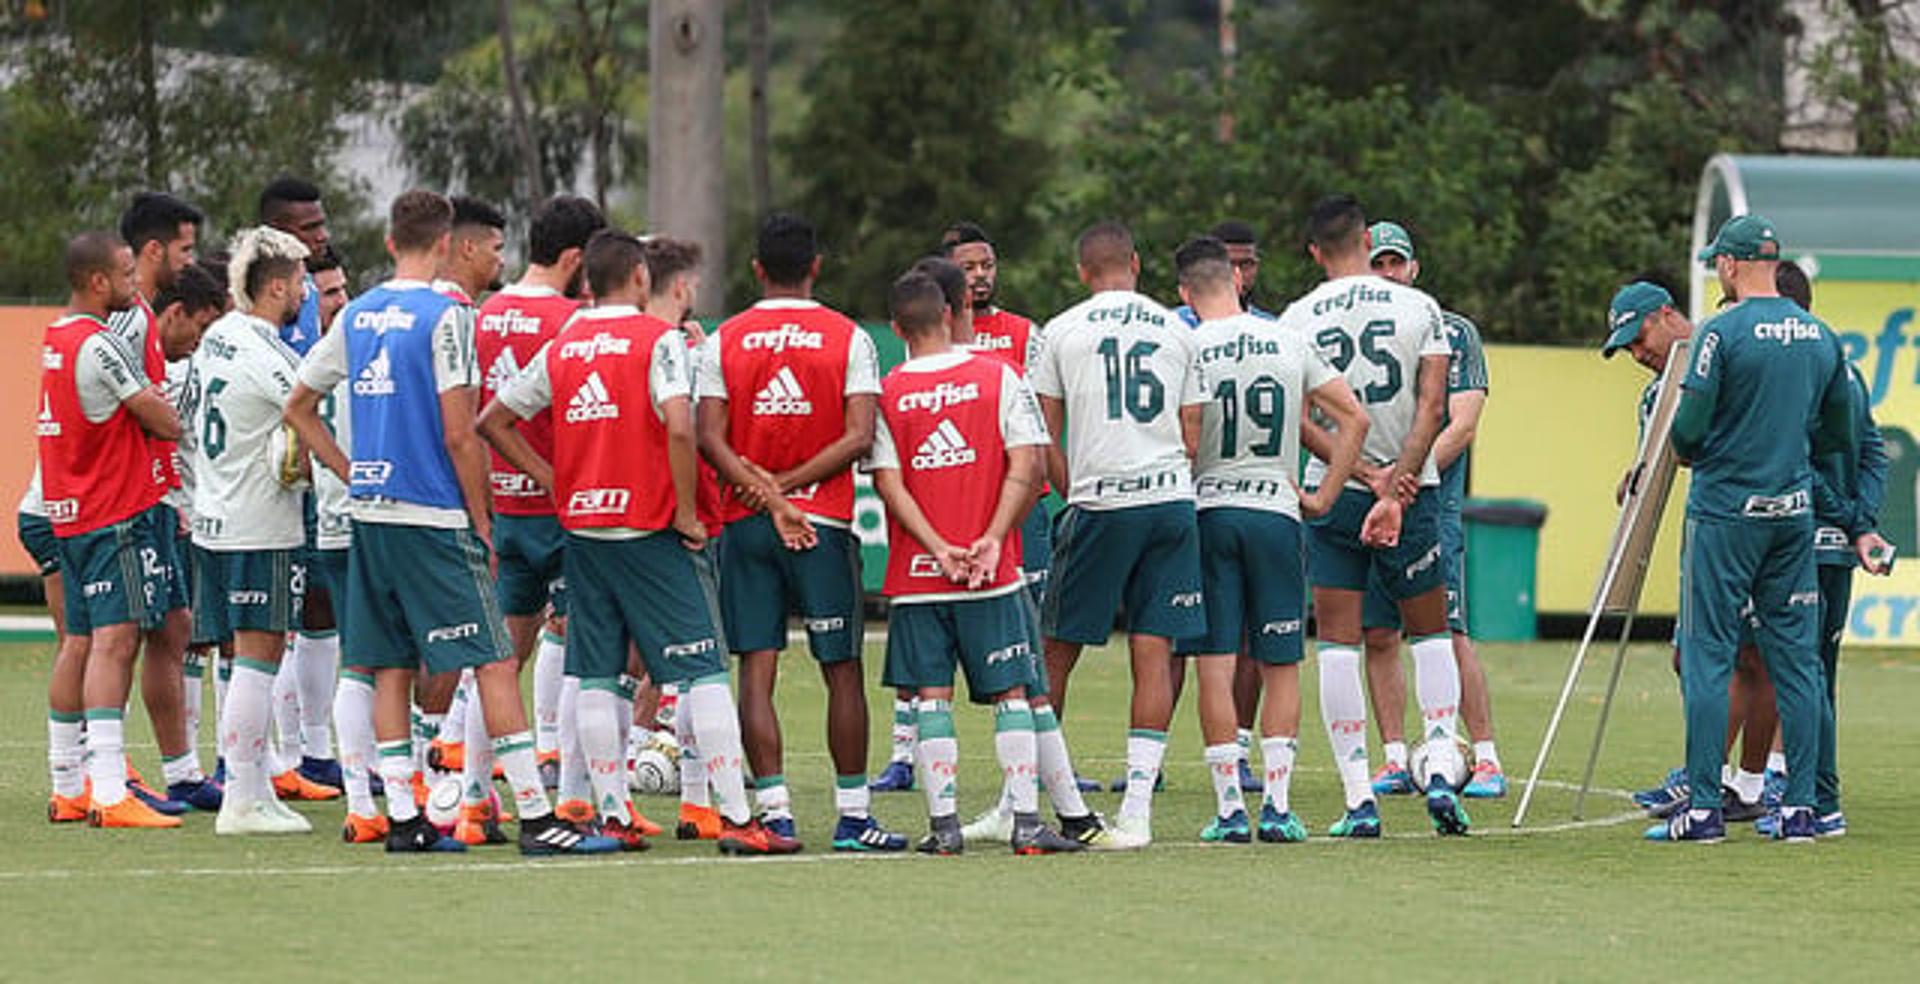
1828, 825
323, 772
1443, 808
1684, 826
549, 764
866, 835
376, 786
631, 838
364, 830
574, 811
781, 824
943, 839
244, 817
204, 795
1393, 779
1031, 838
66, 809
1666, 801
1120, 785
446, 756
1250, 781
1736, 810
549, 835
1772, 789
129, 813
697, 823
1795, 826
1360, 822
1089, 785
994, 825
479, 825
1280, 828
294, 786
138, 789
220, 771
754, 838
1487, 782
647, 828
1228, 830
1130, 833
417, 836
897, 777
1097, 834
421, 791
1649, 798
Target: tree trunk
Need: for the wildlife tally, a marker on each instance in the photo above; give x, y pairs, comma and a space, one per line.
517, 100
759, 18
594, 46
150, 100
1872, 122
1229, 51
686, 173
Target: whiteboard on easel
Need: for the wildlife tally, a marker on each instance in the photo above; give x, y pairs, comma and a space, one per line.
1654, 469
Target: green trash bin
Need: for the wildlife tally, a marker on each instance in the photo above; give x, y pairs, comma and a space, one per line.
1503, 550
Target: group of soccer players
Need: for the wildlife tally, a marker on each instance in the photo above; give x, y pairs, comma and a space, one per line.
368, 514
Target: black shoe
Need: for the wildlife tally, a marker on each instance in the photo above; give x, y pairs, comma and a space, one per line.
1030, 836
1736, 810
546, 835
1083, 830
944, 839
417, 836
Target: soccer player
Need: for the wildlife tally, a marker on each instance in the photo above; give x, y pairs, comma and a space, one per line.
957, 458
1252, 570
99, 417
1119, 370
787, 391
1392, 257
247, 523
1388, 340
1243, 245
623, 474
292, 205
1765, 390
417, 573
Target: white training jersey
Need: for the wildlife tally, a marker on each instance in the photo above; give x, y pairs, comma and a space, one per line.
1375, 332
1257, 375
1124, 367
34, 501
175, 390
237, 387
332, 500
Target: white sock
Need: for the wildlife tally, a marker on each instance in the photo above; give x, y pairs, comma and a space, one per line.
284, 753
1395, 752
476, 765
222, 675
396, 771
1278, 753
515, 753
549, 672
243, 729
184, 767
1777, 762
770, 794
574, 784
623, 723
1483, 751
107, 754
1748, 785
319, 665
67, 753
426, 727
1018, 751
693, 766
193, 679
1243, 737
1056, 765
1726, 773
453, 727
1343, 705
1223, 763
1436, 677
353, 716
1145, 749
906, 729
851, 797
715, 725
938, 753
606, 757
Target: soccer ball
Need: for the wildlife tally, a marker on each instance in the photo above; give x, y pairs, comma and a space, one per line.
1418, 765
443, 803
654, 772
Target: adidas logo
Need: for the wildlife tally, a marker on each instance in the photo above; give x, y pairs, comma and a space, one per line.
502, 371
782, 397
46, 426
592, 402
946, 447
377, 378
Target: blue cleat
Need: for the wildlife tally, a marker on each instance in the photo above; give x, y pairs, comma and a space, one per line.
1668, 801
897, 777
1443, 807
1772, 789
1250, 781
204, 795
1228, 830
1657, 795
1684, 826
864, 834
1393, 779
417, 836
1797, 826
220, 771
162, 805
326, 772
1487, 782
1087, 785
1280, 828
550, 835
375, 785
1362, 821
780, 826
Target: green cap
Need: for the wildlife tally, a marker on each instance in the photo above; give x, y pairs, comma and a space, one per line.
1629, 310
1744, 237
1389, 237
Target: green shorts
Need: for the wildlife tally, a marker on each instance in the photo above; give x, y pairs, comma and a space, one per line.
36, 534
528, 550
1255, 579
761, 581
1378, 611
1036, 550
328, 569
1143, 560
987, 637
651, 592
245, 590
1337, 559
420, 597
176, 545
118, 574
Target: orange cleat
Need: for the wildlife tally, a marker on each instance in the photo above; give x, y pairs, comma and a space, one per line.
129, 812
754, 838
479, 825
499, 771
630, 836
364, 830
574, 811
641, 823
420, 790
67, 809
291, 785
698, 823
447, 756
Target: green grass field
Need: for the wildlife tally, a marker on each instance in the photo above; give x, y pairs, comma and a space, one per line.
1560, 900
